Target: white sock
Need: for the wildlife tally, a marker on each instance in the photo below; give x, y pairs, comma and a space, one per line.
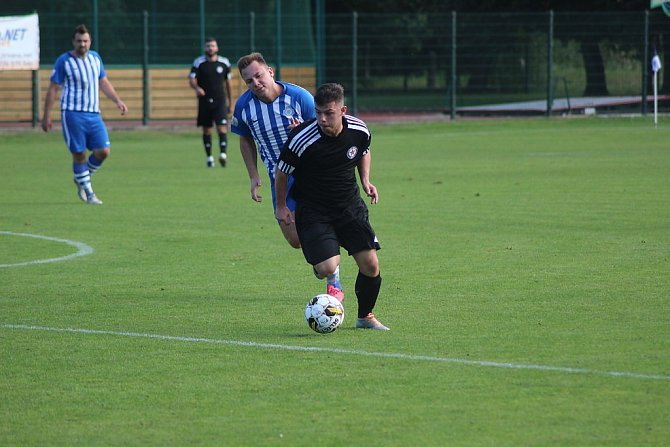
334, 278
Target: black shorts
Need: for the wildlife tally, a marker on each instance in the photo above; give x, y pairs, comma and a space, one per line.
212, 111
321, 235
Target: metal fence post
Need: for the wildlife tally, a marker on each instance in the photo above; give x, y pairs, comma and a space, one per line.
145, 69
550, 62
452, 101
354, 63
202, 23
36, 96
278, 39
320, 42
95, 23
645, 58
252, 31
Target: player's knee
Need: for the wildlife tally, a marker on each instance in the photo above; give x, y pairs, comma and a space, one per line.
370, 270
293, 241
102, 154
79, 157
290, 234
369, 265
291, 237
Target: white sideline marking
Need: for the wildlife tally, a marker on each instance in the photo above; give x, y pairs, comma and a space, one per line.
82, 249
390, 355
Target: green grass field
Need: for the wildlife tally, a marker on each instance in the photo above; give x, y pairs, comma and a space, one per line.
526, 281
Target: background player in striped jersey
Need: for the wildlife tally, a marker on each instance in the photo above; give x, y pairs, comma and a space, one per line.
264, 115
263, 118
82, 75
210, 78
323, 155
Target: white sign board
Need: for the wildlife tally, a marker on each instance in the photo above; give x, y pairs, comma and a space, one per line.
20, 43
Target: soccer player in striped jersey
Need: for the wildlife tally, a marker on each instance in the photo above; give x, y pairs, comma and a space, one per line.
323, 155
82, 75
263, 117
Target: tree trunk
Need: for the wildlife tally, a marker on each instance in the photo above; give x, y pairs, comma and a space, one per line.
596, 82
664, 78
664, 81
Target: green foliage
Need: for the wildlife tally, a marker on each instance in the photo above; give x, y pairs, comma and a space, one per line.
529, 242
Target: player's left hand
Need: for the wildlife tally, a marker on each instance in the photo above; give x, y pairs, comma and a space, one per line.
295, 122
371, 191
122, 107
46, 124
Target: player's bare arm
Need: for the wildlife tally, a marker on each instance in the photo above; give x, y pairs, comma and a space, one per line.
52, 94
109, 91
282, 212
229, 100
250, 157
193, 82
364, 174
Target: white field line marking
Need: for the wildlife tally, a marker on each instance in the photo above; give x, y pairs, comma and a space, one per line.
82, 249
389, 355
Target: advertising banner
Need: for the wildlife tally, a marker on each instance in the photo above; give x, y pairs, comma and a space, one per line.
20, 42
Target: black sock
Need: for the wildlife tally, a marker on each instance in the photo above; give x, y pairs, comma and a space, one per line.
223, 142
207, 142
367, 291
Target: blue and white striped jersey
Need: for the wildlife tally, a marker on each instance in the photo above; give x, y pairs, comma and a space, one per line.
80, 80
268, 123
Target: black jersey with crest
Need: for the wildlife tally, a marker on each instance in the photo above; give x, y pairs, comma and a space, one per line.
211, 76
324, 167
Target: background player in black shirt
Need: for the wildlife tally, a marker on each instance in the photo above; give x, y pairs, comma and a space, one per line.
323, 155
210, 78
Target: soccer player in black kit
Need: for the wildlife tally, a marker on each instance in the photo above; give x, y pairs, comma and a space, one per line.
210, 78
323, 155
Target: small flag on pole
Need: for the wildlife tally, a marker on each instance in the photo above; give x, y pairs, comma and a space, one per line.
655, 63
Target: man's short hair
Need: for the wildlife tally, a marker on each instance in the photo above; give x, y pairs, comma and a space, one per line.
327, 93
247, 60
210, 39
81, 29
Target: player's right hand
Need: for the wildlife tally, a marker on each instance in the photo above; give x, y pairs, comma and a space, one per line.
255, 185
46, 125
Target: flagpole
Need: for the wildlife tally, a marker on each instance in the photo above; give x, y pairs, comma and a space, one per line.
655, 68
655, 99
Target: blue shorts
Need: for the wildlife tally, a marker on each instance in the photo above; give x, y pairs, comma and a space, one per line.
84, 130
290, 201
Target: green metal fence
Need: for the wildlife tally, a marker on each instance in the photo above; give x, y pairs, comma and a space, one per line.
391, 62
449, 61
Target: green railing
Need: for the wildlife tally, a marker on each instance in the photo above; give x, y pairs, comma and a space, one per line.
392, 62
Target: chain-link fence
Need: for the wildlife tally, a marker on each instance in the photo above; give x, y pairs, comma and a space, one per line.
452, 63
437, 62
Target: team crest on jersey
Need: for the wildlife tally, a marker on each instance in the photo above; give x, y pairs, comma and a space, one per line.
351, 153
288, 112
219, 70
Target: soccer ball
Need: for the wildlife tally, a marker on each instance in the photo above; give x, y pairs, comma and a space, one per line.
324, 313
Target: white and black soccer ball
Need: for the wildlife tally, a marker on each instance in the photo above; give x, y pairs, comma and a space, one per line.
324, 313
